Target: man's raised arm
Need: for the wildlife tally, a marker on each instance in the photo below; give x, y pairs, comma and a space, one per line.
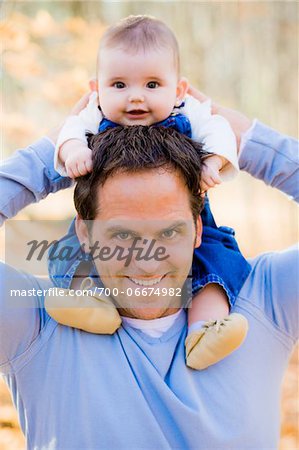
27, 177
271, 157
263, 152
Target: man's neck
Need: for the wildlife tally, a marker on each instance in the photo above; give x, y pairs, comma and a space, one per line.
153, 327
146, 314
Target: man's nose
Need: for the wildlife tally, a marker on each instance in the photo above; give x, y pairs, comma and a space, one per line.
148, 262
148, 267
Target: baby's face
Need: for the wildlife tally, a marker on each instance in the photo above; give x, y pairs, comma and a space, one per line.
138, 88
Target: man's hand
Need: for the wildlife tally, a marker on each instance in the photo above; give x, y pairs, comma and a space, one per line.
53, 134
210, 172
238, 121
81, 104
76, 157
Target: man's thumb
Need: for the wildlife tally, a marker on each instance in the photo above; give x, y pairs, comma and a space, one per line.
93, 84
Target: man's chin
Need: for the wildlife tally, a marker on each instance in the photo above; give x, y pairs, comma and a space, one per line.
147, 313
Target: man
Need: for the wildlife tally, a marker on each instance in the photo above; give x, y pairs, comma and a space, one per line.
132, 390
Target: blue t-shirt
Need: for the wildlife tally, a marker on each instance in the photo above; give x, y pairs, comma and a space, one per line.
75, 390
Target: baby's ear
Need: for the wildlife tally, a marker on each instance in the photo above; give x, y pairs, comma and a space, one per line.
182, 88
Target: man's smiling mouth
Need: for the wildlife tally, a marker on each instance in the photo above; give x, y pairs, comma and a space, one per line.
146, 281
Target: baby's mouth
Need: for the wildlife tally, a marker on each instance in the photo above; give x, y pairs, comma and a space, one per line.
137, 113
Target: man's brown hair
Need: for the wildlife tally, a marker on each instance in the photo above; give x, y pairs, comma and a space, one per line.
140, 33
133, 149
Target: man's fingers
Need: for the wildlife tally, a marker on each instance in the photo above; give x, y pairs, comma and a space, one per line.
197, 94
238, 121
202, 98
80, 104
93, 84
53, 134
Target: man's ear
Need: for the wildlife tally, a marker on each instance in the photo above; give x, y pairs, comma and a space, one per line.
82, 231
198, 232
181, 90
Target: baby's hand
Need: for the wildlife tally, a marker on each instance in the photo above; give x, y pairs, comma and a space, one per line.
210, 172
76, 157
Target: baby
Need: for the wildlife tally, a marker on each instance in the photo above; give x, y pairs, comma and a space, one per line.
139, 83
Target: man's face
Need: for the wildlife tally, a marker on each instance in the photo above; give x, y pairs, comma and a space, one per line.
151, 205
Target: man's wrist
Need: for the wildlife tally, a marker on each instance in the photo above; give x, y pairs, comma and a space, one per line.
48, 138
52, 134
246, 136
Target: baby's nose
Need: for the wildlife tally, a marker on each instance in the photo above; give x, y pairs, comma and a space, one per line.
136, 97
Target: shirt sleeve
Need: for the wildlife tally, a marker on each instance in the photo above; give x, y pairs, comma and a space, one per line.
274, 286
214, 132
22, 316
76, 127
27, 177
273, 158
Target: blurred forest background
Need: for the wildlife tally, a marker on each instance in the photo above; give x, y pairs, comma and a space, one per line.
242, 54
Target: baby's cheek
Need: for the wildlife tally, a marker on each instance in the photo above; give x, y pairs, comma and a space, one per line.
107, 104
162, 110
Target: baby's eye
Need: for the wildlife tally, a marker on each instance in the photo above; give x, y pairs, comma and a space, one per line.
119, 85
169, 234
152, 84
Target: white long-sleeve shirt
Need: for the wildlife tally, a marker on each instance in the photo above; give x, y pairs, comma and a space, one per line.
212, 130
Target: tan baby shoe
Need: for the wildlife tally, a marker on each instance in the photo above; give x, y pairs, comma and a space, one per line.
215, 340
95, 314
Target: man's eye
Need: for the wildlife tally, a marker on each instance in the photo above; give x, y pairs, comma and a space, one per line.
119, 85
123, 236
152, 84
169, 234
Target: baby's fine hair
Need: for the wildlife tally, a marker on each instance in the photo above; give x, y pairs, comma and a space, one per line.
141, 33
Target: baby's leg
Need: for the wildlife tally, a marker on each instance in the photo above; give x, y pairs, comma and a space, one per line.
92, 312
213, 333
210, 303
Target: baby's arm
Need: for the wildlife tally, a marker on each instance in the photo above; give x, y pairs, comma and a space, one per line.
76, 157
72, 155
218, 139
210, 176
